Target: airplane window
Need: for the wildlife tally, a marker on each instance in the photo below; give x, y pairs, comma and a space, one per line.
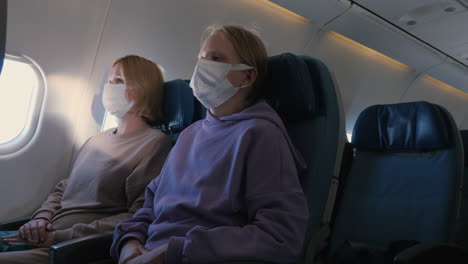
21, 92
109, 121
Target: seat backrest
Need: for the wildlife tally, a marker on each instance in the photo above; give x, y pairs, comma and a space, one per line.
462, 231
301, 89
179, 107
405, 177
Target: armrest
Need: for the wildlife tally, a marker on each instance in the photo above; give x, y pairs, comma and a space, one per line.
13, 224
243, 262
432, 253
82, 250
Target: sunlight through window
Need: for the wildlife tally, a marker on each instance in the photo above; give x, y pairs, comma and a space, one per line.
17, 83
21, 92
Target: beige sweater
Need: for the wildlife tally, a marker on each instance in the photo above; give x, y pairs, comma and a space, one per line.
106, 184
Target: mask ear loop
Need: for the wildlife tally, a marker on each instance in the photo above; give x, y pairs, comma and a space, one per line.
242, 67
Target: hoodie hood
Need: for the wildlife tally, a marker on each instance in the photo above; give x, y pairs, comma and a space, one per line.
264, 111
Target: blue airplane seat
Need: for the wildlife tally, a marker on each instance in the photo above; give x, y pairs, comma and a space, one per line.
404, 182
462, 231
180, 107
3, 22
301, 89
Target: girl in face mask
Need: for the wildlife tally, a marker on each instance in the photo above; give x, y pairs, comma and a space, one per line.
229, 190
107, 182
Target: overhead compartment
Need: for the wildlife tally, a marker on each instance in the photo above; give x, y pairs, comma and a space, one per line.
375, 33
452, 73
378, 34
440, 23
318, 11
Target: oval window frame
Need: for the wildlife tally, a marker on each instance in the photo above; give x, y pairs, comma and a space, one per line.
35, 108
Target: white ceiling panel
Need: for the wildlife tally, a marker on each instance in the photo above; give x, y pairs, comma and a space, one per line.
318, 11
371, 31
441, 23
452, 73
395, 8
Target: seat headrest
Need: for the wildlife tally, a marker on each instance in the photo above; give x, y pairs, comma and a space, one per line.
292, 86
464, 137
404, 127
178, 106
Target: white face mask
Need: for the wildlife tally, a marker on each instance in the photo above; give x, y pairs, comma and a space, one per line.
113, 99
210, 84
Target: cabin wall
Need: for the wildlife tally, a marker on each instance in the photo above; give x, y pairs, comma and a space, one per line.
75, 43
61, 36
432, 90
363, 76
366, 78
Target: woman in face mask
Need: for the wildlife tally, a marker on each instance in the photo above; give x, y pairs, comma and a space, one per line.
229, 190
107, 182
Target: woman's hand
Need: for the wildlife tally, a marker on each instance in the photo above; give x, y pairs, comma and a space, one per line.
130, 251
35, 231
48, 241
13, 239
17, 239
155, 256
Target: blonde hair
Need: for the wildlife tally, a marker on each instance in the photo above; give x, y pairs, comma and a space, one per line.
145, 78
250, 49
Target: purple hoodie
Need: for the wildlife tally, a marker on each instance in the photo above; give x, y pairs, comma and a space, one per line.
229, 191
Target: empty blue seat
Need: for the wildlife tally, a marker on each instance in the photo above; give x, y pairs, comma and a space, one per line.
180, 108
302, 91
404, 182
